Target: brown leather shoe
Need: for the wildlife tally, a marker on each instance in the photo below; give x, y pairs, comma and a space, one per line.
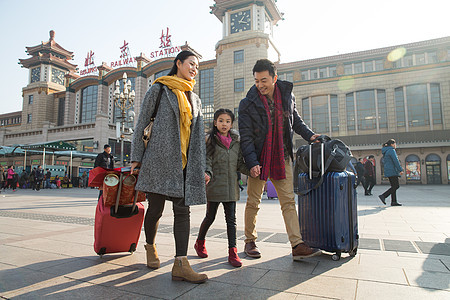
251, 250
303, 251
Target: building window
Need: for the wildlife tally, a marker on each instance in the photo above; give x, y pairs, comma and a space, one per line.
88, 104
332, 71
305, 75
358, 68
366, 110
379, 65
30, 118
350, 107
314, 74
368, 66
432, 57
348, 69
238, 56
334, 108
400, 107
323, 73
61, 109
436, 103
161, 73
412, 168
207, 96
417, 104
289, 76
408, 60
305, 111
30, 99
420, 59
382, 109
239, 85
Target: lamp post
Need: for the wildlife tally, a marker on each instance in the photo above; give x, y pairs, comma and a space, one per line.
123, 100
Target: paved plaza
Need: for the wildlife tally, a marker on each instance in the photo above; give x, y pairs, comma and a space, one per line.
46, 251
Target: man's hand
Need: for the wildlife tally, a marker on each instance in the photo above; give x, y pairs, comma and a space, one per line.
207, 178
135, 165
314, 137
255, 171
401, 173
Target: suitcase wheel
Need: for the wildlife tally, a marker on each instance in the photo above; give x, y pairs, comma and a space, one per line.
352, 253
336, 256
102, 251
132, 248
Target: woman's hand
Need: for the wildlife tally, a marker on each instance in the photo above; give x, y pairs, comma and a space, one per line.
207, 178
135, 165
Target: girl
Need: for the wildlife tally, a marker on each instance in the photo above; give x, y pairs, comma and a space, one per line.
223, 162
168, 171
392, 170
10, 178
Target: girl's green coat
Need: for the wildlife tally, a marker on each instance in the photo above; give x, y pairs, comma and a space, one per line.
223, 166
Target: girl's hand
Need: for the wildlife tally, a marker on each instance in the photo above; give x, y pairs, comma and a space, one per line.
207, 179
135, 165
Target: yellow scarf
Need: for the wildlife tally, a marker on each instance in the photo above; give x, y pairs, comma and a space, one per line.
178, 86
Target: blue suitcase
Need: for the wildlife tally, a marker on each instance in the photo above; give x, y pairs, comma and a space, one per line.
328, 214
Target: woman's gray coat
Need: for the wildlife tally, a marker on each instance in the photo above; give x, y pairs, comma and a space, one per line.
161, 167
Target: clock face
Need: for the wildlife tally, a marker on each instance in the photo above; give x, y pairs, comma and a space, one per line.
57, 76
240, 21
36, 74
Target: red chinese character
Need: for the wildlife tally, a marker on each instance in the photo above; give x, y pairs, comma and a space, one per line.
124, 50
165, 39
89, 59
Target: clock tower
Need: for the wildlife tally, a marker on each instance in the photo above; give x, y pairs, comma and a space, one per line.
246, 37
48, 66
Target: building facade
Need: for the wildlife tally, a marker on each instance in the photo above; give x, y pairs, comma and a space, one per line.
363, 98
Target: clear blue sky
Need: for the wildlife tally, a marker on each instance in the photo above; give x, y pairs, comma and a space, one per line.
311, 29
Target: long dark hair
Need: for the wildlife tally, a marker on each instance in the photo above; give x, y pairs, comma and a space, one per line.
389, 143
211, 140
180, 57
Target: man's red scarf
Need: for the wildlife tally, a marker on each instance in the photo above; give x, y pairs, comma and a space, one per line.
272, 155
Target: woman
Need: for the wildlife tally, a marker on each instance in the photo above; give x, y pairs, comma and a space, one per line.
392, 170
2, 178
168, 171
11, 178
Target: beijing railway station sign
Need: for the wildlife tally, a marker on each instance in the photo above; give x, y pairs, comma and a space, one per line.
125, 60
89, 65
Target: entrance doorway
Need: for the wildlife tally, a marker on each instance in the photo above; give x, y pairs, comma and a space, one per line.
433, 167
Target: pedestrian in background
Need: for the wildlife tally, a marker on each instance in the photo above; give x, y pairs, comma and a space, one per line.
369, 175
223, 162
105, 159
2, 178
32, 179
48, 176
360, 171
39, 177
168, 171
11, 178
392, 170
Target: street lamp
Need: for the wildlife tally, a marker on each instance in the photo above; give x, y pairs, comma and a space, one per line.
123, 100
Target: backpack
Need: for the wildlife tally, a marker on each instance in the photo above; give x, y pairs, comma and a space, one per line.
337, 157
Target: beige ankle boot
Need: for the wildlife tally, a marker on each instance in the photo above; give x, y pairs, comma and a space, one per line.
182, 271
152, 256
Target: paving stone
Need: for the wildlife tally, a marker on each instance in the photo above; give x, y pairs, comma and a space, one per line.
365, 243
395, 245
434, 248
428, 279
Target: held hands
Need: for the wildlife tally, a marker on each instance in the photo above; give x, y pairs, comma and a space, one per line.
207, 179
314, 137
255, 171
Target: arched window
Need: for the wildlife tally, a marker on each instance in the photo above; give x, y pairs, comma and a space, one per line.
412, 168
433, 169
321, 113
88, 104
366, 109
418, 99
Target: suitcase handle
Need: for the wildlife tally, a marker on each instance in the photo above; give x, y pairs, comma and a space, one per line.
116, 206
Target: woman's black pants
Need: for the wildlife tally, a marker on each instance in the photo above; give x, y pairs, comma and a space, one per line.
181, 223
230, 217
392, 191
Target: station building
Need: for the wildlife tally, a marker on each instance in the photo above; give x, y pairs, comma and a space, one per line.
363, 98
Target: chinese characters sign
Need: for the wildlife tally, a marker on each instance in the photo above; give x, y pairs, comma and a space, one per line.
89, 65
165, 48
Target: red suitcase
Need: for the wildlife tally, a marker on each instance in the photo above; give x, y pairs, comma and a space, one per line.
117, 228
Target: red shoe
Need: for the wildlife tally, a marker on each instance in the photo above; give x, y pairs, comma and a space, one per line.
233, 258
200, 248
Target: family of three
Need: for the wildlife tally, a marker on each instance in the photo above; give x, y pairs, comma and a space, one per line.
180, 167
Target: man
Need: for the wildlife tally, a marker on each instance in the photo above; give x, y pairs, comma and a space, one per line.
360, 171
369, 176
48, 176
39, 176
267, 120
105, 159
